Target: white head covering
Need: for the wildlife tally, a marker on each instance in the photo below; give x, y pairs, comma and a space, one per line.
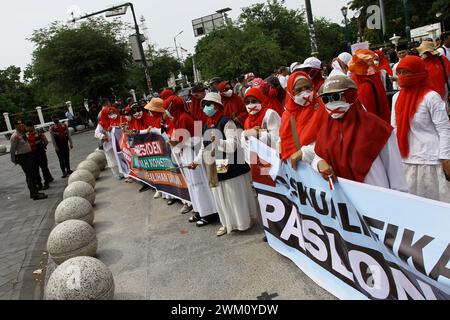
345, 57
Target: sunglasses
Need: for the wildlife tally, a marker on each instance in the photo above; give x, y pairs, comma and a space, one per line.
251, 101
332, 97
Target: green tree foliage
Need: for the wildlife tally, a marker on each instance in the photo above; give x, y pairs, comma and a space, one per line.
266, 36
188, 68
231, 51
71, 63
15, 94
163, 65
422, 13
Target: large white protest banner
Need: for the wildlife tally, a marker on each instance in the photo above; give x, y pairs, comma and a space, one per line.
356, 241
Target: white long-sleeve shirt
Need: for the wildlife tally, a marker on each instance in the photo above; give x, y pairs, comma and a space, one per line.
387, 169
101, 133
429, 136
270, 136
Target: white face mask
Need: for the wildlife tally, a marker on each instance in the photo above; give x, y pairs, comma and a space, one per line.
113, 116
138, 115
228, 93
337, 109
304, 98
253, 108
128, 118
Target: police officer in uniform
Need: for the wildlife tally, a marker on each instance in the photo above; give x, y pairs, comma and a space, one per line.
61, 139
21, 154
38, 143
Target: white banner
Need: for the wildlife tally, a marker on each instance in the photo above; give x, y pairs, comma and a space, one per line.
357, 241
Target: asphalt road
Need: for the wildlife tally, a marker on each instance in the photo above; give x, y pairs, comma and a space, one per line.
25, 224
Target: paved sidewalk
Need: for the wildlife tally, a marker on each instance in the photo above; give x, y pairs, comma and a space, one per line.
25, 224
154, 253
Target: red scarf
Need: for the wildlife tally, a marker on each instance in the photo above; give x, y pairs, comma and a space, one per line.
384, 62
308, 119
255, 120
105, 121
166, 94
436, 75
234, 107
351, 144
196, 110
214, 120
413, 90
177, 107
368, 97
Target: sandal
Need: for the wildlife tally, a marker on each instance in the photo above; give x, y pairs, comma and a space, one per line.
195, 218
222, 231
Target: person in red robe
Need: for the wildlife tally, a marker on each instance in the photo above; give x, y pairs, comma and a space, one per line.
438, 68
304, 110
234, 106
371, 92
195, 109
141, 119
156, 108
271, 91
166, 94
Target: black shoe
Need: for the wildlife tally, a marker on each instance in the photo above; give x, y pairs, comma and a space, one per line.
64, 176
40, 196
40, 187
196, 217
46, 186
50, 181
265, 239
144, 188
69, 172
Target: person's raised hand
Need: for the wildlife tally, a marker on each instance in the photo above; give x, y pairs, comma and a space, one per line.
296, 158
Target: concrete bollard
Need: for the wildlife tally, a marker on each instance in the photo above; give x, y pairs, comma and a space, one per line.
90, 166
75, 208
82, 175
99, 158
80, 189
81, 278
2, 149
71, 238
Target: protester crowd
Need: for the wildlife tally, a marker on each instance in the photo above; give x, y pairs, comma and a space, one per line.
339, 120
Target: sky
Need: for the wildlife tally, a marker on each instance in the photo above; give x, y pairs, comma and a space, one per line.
164, 19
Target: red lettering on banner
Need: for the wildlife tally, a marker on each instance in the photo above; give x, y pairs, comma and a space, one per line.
151, 148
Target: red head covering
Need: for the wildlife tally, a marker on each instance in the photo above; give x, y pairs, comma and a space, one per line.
166, 94
384, 62
255, 120
436, 75
177, 107
308, 120
222, 85
371, 92
105, 121
413, 89
351, 144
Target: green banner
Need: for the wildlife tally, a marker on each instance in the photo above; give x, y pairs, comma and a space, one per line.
153, 163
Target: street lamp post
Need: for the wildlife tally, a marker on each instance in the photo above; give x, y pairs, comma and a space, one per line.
136, 26
312, 31
344, 11
175, 41
407, 19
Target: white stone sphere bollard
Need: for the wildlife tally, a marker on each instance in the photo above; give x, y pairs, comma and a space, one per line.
75, 208
90, 166
80, 189
2, 149
82, 175
99, 158
81, 278
71, 238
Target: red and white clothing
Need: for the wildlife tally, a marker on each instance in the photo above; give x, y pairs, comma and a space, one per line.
423, 131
